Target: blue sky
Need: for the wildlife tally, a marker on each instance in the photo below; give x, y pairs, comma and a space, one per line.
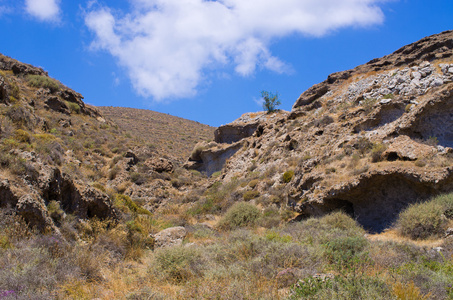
203, 60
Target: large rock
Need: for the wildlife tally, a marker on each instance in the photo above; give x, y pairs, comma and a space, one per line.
170, 237
56, 104
232, 133
3, 91
159, 164
211, 160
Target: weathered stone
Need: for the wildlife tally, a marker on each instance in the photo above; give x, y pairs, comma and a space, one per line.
159, 164
170, 237
232, 133
404, 148
54, 103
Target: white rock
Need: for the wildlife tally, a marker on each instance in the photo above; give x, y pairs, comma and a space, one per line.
436, 82
424, 64
416, 75
169, 237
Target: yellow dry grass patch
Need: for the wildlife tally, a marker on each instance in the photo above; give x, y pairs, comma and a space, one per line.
393, 236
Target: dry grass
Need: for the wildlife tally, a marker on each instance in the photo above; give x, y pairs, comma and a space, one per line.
167, 133
392, 235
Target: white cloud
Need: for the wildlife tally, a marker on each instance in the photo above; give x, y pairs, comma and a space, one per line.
169, 46
44, 10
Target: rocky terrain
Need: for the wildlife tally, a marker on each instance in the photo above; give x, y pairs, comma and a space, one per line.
55, 149
369, 141
347, 196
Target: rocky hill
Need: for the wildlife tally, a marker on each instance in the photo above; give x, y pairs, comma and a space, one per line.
56, 151
368, 141
326, 201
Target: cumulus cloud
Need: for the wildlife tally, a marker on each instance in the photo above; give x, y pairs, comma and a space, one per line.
44, 10
169, 46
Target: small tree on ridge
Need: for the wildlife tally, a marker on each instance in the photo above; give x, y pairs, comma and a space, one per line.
270, 101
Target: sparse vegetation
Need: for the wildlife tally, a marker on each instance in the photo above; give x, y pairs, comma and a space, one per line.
241, 214
271, 101
40, 81
428, 219
82, 200
287, 176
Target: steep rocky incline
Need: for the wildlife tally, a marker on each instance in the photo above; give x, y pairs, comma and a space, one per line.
60, 159
40, 120
369, 141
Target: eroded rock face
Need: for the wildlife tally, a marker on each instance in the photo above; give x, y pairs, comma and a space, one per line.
375, 198
212, 160
439, 46
54, 103
368, 141
232, 133
47, 183
432, 119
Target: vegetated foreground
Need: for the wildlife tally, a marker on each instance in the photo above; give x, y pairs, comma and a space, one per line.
281, 205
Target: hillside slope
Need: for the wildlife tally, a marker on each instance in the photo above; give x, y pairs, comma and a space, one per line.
168, 134
368, 141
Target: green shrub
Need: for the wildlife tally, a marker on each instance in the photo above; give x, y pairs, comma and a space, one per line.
22, 136
271, 101
338, 287
346, 252
14, 91
125, 204
40, 81
138, 178
196, 152
178, 264
73, 107
216, 174
249, 195
427, 219
241, 214
113, 172
55, 211
376, 151
203, 206
253, 183
287, 176
340, 220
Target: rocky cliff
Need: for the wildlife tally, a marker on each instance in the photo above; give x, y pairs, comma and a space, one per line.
368, 141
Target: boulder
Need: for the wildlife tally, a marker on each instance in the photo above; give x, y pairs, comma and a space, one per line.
159, 164
170, 237
54, 103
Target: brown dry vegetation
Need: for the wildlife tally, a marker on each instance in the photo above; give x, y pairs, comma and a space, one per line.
239, 243
169, 134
